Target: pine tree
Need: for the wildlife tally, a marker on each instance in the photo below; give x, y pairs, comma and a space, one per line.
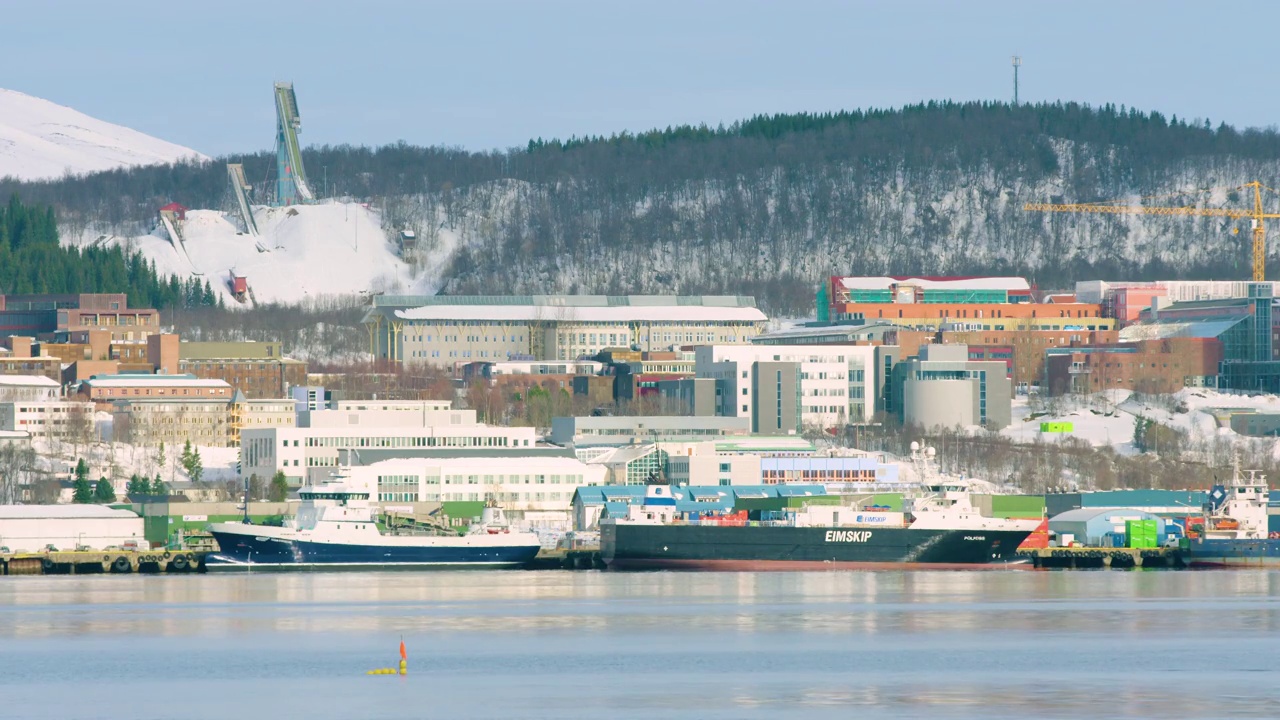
83, 492
82, 470
196, 470
160, 459
185, 458
103, 492
158, 487
138, 486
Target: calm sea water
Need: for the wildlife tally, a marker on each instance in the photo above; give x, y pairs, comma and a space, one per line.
672, 645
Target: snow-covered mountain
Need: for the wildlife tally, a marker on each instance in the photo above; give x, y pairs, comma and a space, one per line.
41, 140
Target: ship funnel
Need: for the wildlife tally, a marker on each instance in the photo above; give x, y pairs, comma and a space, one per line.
657, 495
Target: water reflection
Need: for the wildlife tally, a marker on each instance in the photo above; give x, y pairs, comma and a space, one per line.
845, 603
566, 644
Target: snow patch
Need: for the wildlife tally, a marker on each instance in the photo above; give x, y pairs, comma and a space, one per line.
41, 140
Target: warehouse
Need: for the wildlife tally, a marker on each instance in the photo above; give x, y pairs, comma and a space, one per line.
31, 528
1092, 526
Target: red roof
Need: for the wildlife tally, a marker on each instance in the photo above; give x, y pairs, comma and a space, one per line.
175, 207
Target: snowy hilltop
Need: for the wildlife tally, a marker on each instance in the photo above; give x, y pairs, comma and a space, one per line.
41, 140
304, 252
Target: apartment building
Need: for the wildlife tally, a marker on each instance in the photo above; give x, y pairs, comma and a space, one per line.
172, 421
785, 389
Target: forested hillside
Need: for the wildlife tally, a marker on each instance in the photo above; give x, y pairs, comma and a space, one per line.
33, 261
769, 205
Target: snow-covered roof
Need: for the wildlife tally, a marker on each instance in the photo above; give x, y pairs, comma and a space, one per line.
61, 512
510, 464
186, 381
616, 314
820, 331
28, 381
937, 283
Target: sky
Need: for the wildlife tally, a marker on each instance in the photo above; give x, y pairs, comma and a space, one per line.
493, 74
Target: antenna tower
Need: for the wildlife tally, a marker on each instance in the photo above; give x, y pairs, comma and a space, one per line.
1017, 63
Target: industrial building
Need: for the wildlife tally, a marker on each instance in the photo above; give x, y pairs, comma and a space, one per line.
32, 528
446, 330
942, 387
1166, 503
1097, 527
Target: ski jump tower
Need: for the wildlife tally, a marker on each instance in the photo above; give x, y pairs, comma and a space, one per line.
291, 179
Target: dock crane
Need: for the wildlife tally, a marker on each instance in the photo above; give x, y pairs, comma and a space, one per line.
1256, 214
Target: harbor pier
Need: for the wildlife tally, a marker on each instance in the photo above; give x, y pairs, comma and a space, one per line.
1104, 557
97, 562
560, 559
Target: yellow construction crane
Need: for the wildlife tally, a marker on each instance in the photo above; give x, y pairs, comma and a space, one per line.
1257, 215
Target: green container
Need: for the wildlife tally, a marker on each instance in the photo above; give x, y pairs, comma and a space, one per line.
1142, 533
462, 511
1017, 506
765, 503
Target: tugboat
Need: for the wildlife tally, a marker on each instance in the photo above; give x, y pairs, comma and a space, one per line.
1235, 528
336, 525
941, 529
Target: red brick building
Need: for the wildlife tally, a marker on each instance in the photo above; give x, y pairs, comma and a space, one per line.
1147, 366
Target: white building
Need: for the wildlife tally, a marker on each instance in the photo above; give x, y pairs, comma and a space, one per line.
535, 490
386, 416
310, 454
31, 528
833, 385
626, 430
28, 388
49, 419
713, 469
444, 330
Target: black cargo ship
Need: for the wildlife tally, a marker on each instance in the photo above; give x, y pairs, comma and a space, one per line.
652, 546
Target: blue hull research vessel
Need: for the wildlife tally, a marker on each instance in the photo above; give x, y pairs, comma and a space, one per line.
336, 526
1235, 529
